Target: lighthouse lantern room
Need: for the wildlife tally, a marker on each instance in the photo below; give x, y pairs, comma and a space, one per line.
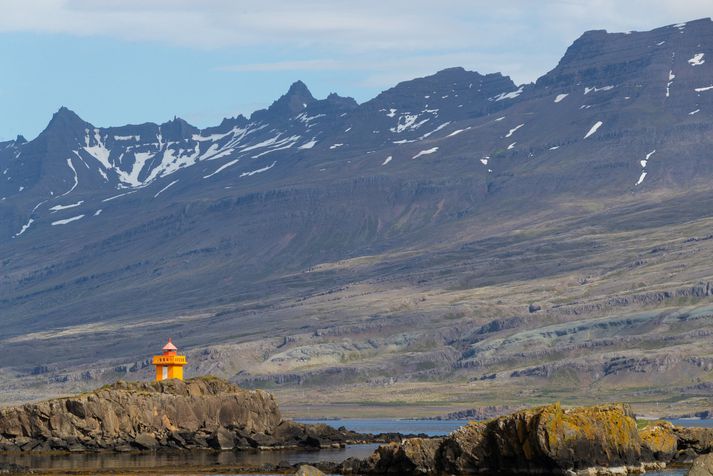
169, 364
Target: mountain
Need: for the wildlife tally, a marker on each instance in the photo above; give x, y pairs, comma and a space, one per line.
457, 239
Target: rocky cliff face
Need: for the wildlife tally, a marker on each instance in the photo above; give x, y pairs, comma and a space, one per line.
198, 413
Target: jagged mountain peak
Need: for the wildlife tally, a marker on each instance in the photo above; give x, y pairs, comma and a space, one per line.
336, 99
226, 125
65, 117
441, 84
178, 129
294, 101
299, 88
20, 139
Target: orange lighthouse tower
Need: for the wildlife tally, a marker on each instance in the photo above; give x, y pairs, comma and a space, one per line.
169, 365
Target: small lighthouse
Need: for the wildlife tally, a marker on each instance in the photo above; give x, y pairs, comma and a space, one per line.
169, 364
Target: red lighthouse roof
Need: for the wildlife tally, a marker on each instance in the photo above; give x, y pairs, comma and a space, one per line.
170, 346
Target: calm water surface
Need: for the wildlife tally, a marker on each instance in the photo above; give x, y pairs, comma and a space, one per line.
428, 427
162, 463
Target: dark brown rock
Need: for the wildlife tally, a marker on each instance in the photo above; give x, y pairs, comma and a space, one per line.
699, 440
412, 456
465, 450
222, 439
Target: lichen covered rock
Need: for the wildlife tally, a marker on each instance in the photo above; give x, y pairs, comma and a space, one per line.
550, 439
658, 442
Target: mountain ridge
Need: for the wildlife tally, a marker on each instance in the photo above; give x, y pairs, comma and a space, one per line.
320, 244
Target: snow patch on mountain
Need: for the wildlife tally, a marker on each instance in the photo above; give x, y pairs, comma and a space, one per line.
76, 178
98, 150
57, 208
508, 95
594, 128
425, 152
671, 77
641, 178
67, 220
114, 197
308, 145
166, 188
174, 160
697, 59
24, 228
513, 130
281, 145
595, 89
222, 167
428, 134
408, 122
257, 171
560, 97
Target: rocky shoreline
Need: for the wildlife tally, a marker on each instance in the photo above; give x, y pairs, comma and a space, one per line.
201, 413
211, 414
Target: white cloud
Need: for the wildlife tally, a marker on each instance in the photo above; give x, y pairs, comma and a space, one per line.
481, 34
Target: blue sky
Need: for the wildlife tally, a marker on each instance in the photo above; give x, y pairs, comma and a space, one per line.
131, 61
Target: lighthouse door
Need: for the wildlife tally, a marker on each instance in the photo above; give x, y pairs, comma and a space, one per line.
164, 374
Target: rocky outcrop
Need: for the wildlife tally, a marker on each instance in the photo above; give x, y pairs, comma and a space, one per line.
692, 442
602, 440
198, 413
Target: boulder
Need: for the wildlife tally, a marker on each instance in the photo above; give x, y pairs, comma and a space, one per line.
465, 450
307, 470
658, 442
702, 466
145, 441
222, 440
412, 456
551, 438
